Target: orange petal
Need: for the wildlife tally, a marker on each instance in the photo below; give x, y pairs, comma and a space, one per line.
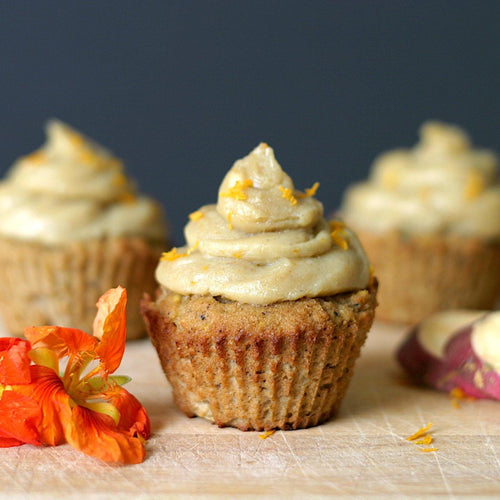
96, 435
133, 416
48, 391
63, 341
20, 417
110, 327
14, 361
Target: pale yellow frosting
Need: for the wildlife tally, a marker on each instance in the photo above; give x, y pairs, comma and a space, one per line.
264, 242
443, 184
73, 189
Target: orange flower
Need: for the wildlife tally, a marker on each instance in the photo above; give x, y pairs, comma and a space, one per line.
83, 405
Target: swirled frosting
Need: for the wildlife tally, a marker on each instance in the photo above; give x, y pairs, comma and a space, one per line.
443, 184
264, 242
73, 189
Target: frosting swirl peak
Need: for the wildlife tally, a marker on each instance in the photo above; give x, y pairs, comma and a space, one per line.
264, 242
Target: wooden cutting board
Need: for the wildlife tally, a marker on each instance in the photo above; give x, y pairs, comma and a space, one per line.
362, 453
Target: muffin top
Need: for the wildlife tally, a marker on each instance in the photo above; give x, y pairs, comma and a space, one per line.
73, 189
264, 242
442, 184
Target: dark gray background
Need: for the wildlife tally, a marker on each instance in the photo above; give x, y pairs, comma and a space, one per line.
180, 89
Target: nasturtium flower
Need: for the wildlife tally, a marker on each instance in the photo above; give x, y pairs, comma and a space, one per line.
58, 386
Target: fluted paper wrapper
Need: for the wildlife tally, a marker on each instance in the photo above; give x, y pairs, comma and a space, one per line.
420, 275
60, 285
255, 379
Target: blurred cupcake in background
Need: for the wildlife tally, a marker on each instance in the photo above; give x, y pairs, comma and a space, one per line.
71, 227
429, 219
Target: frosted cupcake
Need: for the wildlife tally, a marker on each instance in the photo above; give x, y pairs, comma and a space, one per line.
71, 227
263, 313
429, 219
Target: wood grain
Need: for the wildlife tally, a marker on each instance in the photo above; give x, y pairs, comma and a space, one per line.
363, 453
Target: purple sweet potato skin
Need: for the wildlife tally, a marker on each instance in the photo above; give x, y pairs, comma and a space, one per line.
460, 366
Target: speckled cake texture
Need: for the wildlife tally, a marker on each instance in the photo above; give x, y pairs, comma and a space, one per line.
281, 366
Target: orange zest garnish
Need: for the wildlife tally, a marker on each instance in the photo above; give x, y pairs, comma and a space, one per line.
196, 215
288, 195
337, 234
128, 198
421, 437
266, 434
457, 395
36, 157
237, 190
174, 253
337, 224
309, 192
421, 432
425, 440
474, 187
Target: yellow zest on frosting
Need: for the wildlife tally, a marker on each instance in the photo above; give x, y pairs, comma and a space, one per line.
237, 190
174, 253
312, 190
196, 215
229, 219
309, 192
337, 234
337, 224
75, 138
474, 187
37, 157
339, 240
88, 156
128, 198
119, 180
390, 179
288, 195
428, 450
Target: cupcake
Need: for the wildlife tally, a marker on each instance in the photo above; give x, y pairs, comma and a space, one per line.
429, 219
71, 227
260, 317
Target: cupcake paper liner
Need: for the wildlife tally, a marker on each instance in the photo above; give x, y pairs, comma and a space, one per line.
255, 377
60, 285
422, 274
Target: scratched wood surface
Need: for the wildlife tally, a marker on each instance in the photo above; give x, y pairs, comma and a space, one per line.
363, 453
